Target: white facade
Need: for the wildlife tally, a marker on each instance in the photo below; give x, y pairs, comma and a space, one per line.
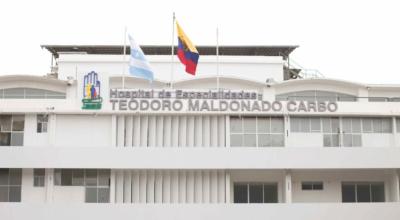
298, 161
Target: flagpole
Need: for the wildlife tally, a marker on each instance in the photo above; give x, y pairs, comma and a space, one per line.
217, 51
172, 50
124, 60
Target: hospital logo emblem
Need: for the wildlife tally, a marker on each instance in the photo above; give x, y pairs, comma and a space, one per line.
91, 91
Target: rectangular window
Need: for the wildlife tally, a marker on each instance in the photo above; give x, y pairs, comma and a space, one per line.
12, 130
256, 131
312, 185
41, 123
255, 193
363, 192
96, 182
38, 177
10, 185
377, 125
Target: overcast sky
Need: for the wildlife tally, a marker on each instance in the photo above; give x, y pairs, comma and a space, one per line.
351, 40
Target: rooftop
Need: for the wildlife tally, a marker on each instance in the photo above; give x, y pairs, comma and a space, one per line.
166, 50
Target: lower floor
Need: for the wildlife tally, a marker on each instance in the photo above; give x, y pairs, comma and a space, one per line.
74, 186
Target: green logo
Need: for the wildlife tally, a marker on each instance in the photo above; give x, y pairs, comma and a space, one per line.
91, 91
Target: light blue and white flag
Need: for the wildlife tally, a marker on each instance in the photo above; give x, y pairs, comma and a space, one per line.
138, 64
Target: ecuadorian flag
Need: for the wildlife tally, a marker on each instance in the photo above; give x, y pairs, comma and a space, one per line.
187, 52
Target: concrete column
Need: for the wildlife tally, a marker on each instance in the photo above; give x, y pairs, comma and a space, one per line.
49, 184
112, 186
52, 129
227, 187
288, 186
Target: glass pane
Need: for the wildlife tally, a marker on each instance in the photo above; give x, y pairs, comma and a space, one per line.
377, 125
256, 193
264, 140
42, 118
295, 124
91, 195
357, 140
78, 177
335, 125
34, 93
367, 125
38, 172
356, 125
66, 177
5, 122
347, 140
14, 93
4, 176
270, 193
249, 140
378, 192
386, 125
103, 195
44, 127
277, 140
315, 124
335, 140
236, 125
15, 194
305, 125
236, 140
240, 193
326, 125
15, 177
277, 125
363, 193
104, 177
318, 186
3, 193
263, 125
5, 139
91, 177
348, 193
17, 139
398, 124
249, 125
18, 122
346, 122
327, 140
306, 186
57, 177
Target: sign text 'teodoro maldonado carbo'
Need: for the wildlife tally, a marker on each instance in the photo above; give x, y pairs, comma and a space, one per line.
208, 101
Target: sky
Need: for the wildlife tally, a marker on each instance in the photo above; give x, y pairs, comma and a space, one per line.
343, 39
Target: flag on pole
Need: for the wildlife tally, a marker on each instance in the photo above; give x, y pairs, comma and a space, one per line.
187, 52
138, 64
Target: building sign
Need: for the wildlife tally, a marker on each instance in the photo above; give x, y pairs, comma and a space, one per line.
91, 91
208, 101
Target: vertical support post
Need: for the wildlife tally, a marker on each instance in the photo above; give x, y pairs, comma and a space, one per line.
112, 186
288, 186
49, 174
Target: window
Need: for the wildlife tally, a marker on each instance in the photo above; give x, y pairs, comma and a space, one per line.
312, 185
351, 128
96, 182
10, 185
316, 95
305, 124
30, 93
257, 131
38, 177
255, 193
376, 125
12, 130
363, 192
41, 123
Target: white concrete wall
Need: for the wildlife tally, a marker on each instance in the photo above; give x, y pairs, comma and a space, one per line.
297, 139
83, 131
68, 194
312, 211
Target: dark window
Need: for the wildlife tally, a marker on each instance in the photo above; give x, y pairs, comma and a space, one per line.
10, 185
12, 130
240, 193
256, 193
312, 185
270, 193
363, 192
38, 177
